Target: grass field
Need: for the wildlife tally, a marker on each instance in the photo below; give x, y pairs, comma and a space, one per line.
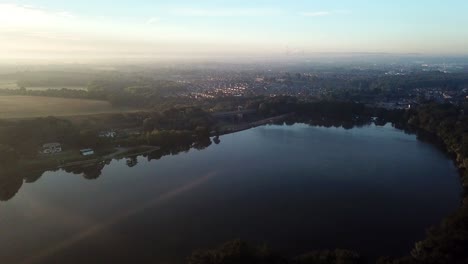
35, 106
8, 84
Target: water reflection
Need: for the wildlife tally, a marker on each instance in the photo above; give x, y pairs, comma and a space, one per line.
10, 183
132, 162
12, 178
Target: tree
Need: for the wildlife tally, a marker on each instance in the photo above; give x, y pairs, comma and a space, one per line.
10, 183
9, 156
337, 256
236, 252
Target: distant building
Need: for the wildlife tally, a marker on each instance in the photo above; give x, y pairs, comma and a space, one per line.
446, 96
87, 152
50, 148
108, 134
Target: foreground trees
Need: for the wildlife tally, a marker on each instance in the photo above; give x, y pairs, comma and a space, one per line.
240, 252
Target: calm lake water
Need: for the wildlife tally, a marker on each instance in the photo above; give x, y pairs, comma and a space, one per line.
298, 188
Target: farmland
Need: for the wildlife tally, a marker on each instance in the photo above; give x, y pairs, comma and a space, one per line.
35, 106
8, 84
13, 84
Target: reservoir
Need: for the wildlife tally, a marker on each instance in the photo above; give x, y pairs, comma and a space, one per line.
298, 188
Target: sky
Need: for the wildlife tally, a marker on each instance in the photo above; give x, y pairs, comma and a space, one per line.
85, 29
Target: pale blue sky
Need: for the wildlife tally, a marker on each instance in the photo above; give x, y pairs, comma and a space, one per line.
139, 27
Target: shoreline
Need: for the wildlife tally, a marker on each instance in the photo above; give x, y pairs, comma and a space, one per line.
122, 152
119, 153
250, 125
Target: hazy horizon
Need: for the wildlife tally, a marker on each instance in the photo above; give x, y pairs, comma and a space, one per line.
86, 31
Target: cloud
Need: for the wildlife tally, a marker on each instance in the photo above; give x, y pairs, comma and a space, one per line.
316, 14
153, 20
65, 14
14, 16
324, 13
225, 12
52, 35
26, 23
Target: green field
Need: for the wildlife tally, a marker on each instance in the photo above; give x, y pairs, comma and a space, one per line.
35, 106
11, 84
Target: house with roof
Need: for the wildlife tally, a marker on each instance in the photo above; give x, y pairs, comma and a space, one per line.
51, 148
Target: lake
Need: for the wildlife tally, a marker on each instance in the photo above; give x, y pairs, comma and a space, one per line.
298, 188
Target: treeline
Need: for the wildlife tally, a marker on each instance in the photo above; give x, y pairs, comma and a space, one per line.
134, 91
240, 252
182, 126
366, 85
432, 79
449, 123
332, 110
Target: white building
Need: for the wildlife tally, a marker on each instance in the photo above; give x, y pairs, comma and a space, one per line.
87, 152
